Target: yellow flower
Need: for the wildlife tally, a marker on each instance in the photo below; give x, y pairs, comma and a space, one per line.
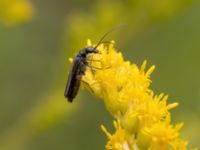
119, 83
144, 118
120, 140
161, 135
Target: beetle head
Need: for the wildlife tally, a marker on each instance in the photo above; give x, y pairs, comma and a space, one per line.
91, 50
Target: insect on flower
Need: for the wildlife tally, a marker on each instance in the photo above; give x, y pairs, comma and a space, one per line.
80, 62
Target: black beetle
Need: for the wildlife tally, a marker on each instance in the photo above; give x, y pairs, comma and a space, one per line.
80, 62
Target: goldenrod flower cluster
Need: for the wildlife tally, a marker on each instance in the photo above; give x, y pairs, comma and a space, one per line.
15, 11
142, 118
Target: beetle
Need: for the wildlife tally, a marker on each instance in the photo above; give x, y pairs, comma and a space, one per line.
80, 63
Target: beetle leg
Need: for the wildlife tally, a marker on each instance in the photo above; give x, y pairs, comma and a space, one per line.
88, 85
90, 58
93, 67
93, 60
90, 66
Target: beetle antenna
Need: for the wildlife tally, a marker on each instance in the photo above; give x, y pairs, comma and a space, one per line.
103, 37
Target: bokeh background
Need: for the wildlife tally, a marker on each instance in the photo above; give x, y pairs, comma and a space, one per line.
37, 38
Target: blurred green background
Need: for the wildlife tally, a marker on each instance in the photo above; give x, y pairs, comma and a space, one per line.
34, 67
